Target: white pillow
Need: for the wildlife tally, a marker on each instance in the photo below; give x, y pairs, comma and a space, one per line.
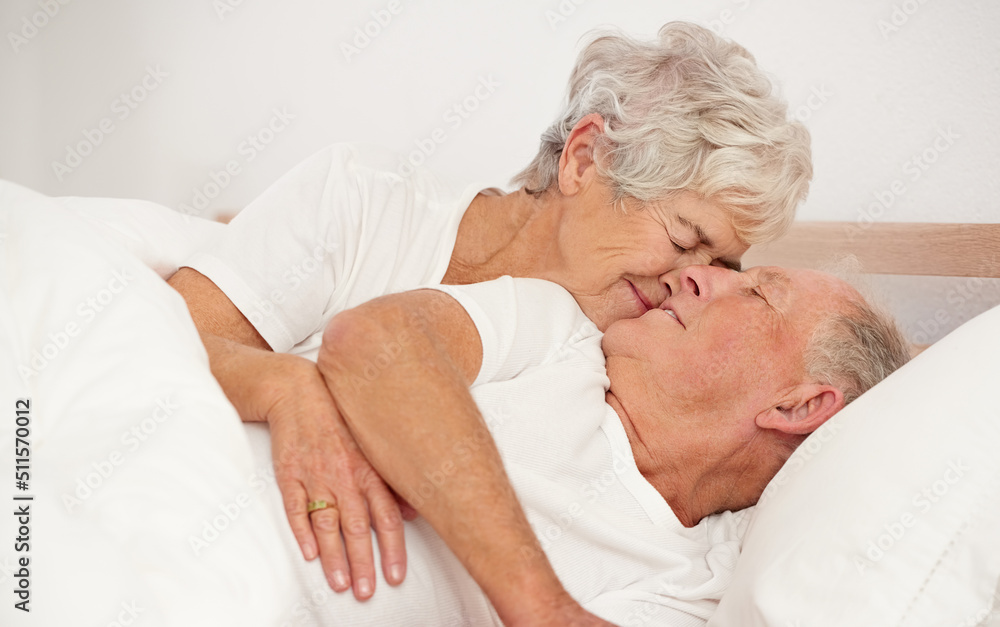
889, 514
136, 455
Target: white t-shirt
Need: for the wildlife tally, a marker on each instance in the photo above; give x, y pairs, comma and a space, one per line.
612, 539
344, 227
341, 228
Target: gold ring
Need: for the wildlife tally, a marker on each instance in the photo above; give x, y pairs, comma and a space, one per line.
314, 506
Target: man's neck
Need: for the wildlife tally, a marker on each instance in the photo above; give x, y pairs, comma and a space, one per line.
692, 484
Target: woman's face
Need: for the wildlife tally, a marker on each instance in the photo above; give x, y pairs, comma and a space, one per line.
612, 260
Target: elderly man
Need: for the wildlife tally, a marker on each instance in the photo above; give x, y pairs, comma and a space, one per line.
619, 468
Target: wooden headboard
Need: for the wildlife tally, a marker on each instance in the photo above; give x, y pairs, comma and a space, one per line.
900, 248
960, 250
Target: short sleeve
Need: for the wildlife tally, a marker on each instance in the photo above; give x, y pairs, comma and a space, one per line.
343, 227
280, 258
524, 323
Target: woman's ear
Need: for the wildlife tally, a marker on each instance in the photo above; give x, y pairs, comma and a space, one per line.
803, 410
577, 158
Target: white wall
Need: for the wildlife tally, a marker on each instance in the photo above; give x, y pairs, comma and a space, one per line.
877, 82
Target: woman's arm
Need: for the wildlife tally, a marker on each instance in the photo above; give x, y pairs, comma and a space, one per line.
315, 456
399, 367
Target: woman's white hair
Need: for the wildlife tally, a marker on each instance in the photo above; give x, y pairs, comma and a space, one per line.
689, 111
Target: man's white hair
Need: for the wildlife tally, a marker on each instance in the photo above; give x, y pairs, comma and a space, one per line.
861, 344
856, 349
689, 111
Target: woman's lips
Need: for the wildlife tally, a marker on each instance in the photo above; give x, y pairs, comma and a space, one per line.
639, 296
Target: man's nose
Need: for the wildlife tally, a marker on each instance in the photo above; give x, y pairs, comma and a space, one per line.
700, 281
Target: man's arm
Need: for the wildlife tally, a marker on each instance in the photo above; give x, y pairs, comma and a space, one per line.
399, 367
315, 456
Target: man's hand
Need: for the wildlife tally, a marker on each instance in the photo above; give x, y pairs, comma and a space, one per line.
316, 459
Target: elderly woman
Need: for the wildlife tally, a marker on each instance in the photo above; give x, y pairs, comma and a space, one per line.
667, 153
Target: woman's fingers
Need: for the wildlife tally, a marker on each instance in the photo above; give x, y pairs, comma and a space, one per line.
326, 525
294, 497
317, 461
355, 527
388, 523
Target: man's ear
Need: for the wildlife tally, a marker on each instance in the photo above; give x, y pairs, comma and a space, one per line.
578, 153
803, 409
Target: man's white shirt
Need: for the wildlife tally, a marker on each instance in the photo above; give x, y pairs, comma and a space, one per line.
344, 227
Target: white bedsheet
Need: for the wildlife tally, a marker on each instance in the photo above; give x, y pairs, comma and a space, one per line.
143, 512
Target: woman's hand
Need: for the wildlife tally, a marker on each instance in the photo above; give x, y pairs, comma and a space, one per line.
317, 460
315, 456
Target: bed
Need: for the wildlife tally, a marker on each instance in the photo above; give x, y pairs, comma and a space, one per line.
148, 505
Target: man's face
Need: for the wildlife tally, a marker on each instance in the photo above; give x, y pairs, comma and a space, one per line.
722, 348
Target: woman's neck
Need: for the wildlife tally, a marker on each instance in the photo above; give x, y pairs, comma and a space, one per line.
511, 235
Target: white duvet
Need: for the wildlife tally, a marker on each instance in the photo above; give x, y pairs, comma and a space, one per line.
144, 507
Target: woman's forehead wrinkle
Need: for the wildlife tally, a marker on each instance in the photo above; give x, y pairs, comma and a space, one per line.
698, 231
